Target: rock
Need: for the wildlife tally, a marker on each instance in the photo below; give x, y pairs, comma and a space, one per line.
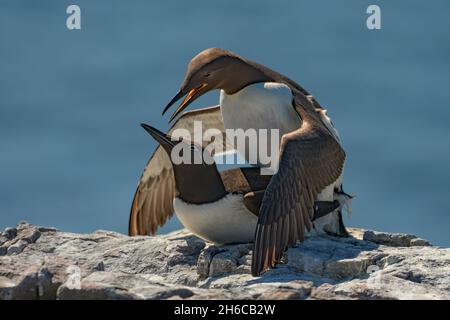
43, 263
379, 286
204, 261
419, 242
17, 247
6, 235
395, 239
9, 233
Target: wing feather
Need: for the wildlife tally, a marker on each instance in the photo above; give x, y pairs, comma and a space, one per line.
152, 204
310, 160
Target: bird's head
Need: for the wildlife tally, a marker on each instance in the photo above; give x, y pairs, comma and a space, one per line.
212, 69
197, 179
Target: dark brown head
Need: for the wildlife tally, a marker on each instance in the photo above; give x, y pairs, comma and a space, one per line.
215, 68
196, 183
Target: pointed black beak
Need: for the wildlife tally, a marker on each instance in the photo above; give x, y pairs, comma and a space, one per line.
190, 97
164, 139
177, 97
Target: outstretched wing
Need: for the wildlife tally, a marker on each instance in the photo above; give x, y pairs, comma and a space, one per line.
152, 203
310, 160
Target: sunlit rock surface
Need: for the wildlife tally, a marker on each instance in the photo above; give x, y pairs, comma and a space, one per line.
43, 263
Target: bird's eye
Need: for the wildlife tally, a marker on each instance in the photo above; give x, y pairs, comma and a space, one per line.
193, 147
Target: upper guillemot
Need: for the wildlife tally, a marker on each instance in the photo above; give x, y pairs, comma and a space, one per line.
311, 156
230, 199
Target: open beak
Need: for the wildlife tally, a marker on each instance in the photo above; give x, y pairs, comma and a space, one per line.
164, 139
190, 97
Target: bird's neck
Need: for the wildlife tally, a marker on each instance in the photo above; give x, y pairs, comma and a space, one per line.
199, 183
242, 74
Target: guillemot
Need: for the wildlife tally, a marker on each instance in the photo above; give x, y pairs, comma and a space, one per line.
311, 157
220, 207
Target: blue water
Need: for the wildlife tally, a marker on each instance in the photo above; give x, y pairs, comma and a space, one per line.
72, 151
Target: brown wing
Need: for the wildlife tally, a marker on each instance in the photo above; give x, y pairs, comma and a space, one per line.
152, 203
255, 179
244, 180
310, 160
252, 201
250, 182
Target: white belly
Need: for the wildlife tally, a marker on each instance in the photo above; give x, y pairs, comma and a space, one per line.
260, 106
224, 221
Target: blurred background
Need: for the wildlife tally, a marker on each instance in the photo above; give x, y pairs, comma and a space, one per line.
72, 151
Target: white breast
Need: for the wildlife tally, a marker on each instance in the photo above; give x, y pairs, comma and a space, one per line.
224, 221
260, 106
269, 106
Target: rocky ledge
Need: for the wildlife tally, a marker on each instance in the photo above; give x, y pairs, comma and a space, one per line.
44, 263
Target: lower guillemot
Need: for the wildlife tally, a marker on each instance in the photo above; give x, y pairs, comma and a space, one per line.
220, 207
